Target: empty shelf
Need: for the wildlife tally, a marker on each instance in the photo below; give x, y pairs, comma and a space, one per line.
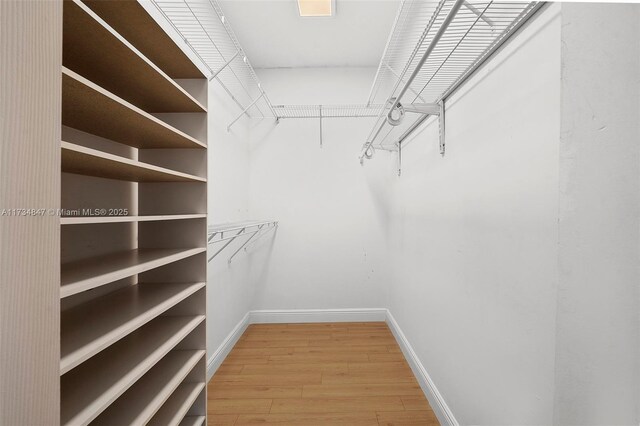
94, 50
91, 162
177, 406
91, 327
193, 421
139, 404
74, 220
131, 21
90, 388
92, 109
96, 271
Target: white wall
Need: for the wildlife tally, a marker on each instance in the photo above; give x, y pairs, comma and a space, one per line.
229, 290
597, 378
475, 268
511, 265
331, 248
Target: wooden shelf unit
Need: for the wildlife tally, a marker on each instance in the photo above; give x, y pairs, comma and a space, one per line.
131, 21
77, 220
193, 421
132, 288
93, 386
90, 327
90, 44
175, 409
91, 162
86, 274
93, 109
148, 395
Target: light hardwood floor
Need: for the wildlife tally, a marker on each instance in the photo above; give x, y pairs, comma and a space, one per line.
317, 374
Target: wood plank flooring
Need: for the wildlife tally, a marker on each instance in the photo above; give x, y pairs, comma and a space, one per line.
317, 374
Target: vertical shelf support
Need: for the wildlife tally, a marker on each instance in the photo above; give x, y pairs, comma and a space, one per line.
320, 112
399, 159
441, 128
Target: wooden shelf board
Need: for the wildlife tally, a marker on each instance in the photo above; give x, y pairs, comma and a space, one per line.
96, 271
143, 400
91, 162
92, 109
178, 404
193, 421
74, 220
95, 50
90, 388
95, 325
130, 20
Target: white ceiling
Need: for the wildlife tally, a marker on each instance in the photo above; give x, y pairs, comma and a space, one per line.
273, 35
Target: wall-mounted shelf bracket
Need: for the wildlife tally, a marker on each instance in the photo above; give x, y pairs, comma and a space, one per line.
441, 121
244, 111
399, 159
429, 109
215, 74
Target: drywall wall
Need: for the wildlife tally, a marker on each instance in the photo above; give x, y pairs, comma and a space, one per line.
229, 287
330, 250
598, 332
475, 237
30, 93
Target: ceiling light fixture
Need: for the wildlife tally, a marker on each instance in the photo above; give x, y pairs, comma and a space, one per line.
316, 8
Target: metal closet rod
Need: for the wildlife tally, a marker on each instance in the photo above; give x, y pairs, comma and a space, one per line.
394, 102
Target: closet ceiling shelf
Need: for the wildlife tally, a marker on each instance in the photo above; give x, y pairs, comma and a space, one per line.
253, 229
204, 28
433, 48
327, 111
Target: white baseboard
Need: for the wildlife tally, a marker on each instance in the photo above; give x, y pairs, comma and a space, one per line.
317, 315
440, 407
217, 357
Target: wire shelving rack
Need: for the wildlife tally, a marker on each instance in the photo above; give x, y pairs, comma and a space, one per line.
229, 232
327, 111
205, 29
433, 48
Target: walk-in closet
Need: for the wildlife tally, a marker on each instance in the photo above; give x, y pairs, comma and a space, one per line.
319, 212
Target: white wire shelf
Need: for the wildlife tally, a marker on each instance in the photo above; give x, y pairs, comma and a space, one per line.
228, 232
327, 111
433, 48
205, 29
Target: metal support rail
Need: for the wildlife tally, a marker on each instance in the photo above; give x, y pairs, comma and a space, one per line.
216, 234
